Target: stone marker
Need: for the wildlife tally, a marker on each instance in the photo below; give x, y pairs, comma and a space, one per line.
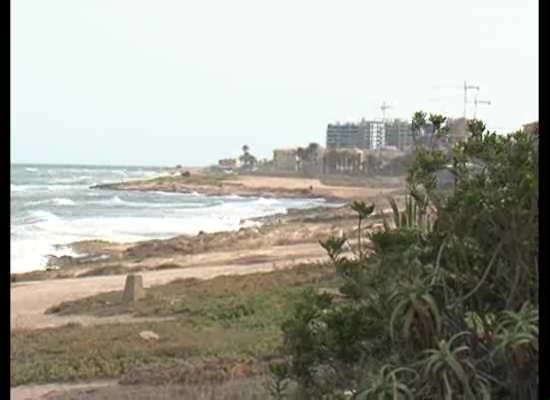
149, 335
133, 290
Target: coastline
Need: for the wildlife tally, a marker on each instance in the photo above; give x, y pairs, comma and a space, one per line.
295, 226
265, 243
274, 255
253, 186
279, 243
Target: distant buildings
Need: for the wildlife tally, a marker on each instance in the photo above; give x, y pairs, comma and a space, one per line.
376, 134
532, 128
344, 161
228, 163
398, 134
311, 159
365, 147
346, 136
393, 134
365, 135
285, 159
306, 160
458, 129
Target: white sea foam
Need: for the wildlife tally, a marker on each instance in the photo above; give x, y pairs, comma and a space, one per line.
58, 201
32, 254
122, 217
68, 181
113, 201
34, 241
116, 201
37, 188
269, 202
172, 194
63, 202
44, 216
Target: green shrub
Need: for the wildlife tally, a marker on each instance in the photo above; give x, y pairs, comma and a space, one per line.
443, 303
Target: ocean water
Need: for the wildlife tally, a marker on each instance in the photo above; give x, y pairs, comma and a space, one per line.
52, 206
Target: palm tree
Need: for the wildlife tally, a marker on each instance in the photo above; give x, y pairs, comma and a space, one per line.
300, 156
418, 121
313, 150
309, 155
439, 131
245, 157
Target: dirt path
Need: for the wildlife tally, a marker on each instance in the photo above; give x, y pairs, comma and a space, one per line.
54, 390
245, 389
29, 300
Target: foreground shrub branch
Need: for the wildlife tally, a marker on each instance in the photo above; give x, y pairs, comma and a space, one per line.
445, 302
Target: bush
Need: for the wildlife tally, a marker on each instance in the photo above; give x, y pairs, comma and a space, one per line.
444, 302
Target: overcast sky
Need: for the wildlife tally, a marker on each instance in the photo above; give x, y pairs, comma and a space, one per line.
187, 82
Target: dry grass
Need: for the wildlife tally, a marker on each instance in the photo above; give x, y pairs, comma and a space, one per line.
225, 328
195, 297
364, 181
106, 270
241, 389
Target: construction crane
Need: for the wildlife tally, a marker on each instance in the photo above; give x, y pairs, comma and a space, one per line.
384, 107
476, 102
466, 88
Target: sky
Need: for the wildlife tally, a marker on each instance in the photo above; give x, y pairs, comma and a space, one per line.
140, 82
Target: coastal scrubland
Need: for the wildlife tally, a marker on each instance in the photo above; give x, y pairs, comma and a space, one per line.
216, 330
79, 300
434, 297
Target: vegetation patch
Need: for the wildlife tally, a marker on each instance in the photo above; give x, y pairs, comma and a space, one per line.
220, 298
106, 270
242, 389
442, 303
229, 323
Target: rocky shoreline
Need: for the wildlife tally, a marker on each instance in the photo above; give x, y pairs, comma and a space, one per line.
255, 186
257, 235
222, 189
264, 233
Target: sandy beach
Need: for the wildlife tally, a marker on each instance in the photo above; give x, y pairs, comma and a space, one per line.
270, 243
263, 186
280, 242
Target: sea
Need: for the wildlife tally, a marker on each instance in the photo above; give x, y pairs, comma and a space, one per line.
54, 205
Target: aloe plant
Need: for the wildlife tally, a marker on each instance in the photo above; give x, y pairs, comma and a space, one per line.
448, 367
388, 383
415, 306
449, 289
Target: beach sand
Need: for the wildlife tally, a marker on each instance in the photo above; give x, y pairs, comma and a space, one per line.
280, 242
264, 186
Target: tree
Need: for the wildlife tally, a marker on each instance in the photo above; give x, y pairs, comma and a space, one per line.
310, 155
300, 156
443, 302
247, 159
418, 122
